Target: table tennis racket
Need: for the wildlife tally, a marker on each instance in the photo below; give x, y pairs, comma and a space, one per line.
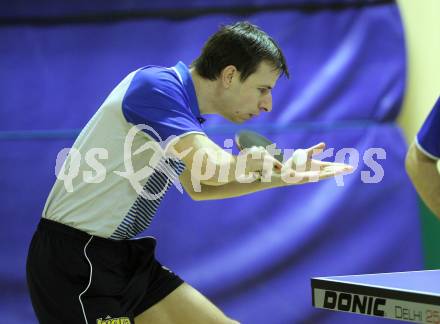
247, 139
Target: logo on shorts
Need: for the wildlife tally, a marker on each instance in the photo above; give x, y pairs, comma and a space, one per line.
110, 320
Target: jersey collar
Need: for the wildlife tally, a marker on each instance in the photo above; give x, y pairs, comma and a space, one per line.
184, 75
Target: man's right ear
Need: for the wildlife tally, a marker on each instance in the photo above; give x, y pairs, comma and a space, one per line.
227, 75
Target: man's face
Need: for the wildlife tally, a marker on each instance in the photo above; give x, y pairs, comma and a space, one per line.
248, 99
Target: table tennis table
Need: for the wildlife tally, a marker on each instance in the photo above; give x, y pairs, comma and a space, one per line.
407, 296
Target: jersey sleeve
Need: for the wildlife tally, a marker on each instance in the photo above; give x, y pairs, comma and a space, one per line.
158, 101
428, 137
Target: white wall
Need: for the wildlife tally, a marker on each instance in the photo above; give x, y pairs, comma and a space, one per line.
421, 19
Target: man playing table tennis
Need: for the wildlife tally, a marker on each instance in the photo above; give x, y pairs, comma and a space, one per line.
83, 266
423, 158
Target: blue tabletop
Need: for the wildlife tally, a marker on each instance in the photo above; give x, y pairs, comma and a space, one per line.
425, 282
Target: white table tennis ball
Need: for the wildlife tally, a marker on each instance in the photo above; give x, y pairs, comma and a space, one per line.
299, 157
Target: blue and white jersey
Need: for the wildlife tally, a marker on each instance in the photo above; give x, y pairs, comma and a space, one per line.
121, 170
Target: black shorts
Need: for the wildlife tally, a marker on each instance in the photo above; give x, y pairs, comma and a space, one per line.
77, 278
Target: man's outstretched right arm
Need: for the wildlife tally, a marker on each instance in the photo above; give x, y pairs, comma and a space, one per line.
203, 185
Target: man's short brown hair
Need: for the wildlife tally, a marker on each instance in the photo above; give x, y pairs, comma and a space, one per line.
243, 45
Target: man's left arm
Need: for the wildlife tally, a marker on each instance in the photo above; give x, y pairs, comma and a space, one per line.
426, 179
422, 157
